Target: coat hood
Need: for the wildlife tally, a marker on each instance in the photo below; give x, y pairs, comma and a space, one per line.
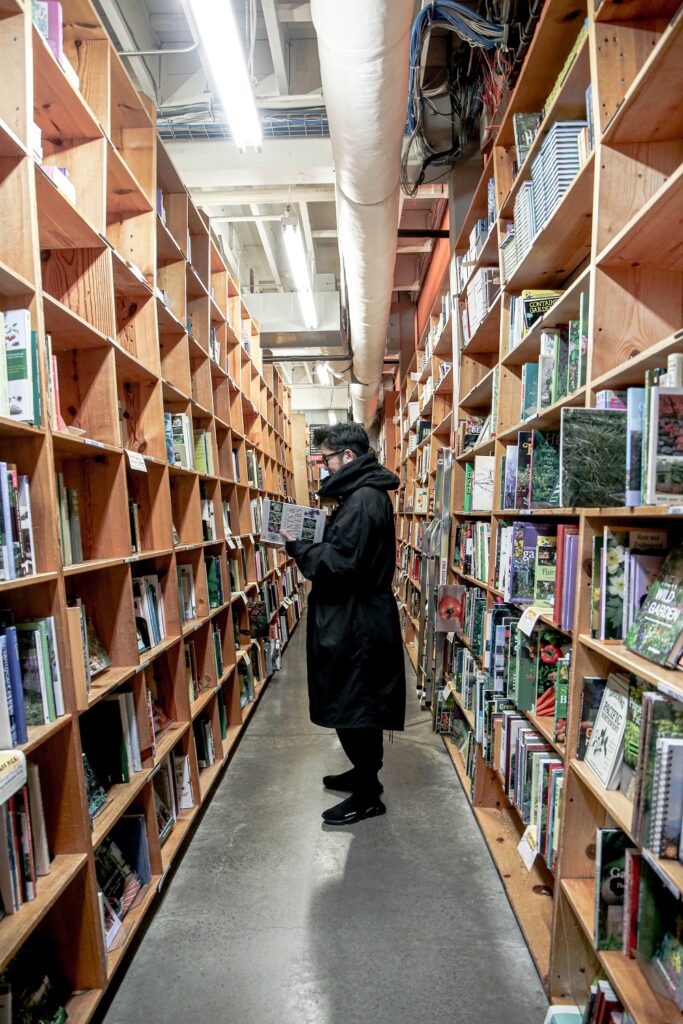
364, 471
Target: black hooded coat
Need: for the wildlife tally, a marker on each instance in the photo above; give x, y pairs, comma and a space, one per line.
356, 675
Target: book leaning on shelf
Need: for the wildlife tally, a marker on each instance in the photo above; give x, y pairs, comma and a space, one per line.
656, 632
31, 694
150, 622
24, 853
19, 368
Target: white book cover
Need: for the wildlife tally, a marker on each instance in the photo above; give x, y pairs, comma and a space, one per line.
183, 778
606, 745
482, 483
298, 521
4, 383
19, 364
665, 448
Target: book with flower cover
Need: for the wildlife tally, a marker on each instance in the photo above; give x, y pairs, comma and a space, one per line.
657, 630
612, 583
665, 469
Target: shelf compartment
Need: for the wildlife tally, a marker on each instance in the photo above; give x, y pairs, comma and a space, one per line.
14, 285
486, 337
15, 929
566, 308
569, 104
59, 109
60, 224
651, 110
479, 397
629, 981
668, 681
650, 231
557, 253
548, 418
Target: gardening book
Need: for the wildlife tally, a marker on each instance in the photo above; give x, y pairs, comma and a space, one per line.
665, 469
300, 522
605, 747
657, 630
610, 856
592, 458
545, 469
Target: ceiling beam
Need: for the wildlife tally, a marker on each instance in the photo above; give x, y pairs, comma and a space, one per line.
241, 196
414, 250
143, 37
294, 12
267, 244
277, 45
324, 233
306, 225
246, 218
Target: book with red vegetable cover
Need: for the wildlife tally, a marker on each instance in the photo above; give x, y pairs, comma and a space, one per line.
451, 609
552, 647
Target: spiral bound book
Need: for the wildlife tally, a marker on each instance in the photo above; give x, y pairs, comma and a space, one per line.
667, 798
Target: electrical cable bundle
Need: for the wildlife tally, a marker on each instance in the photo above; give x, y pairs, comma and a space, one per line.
479, 33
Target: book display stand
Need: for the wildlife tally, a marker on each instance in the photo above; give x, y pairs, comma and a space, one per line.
155, 433
609, 244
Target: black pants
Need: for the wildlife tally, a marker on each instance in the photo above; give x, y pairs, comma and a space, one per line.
364, 749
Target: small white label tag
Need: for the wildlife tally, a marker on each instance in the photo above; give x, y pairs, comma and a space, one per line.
529, 618
527, 847
136, 461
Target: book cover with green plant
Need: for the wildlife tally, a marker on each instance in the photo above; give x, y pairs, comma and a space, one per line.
560, 364
612, 584
523, 479
636, 688
545, 469
545, 570
592, 458
610, 864
657, 630
551, 647
573, 356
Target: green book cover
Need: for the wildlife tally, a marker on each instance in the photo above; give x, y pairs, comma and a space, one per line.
612, 583
561, 701
32, 676
211, 579
546, 369
529, 390
610, 863
573, 356
469, 479
657, 630
545, 469
544, 575
222, 715
636, 688
592, 458
525, 671
560, 364
523, 478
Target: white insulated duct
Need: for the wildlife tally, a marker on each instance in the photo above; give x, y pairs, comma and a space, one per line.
363, 48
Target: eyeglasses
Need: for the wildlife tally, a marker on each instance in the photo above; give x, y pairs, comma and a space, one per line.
331, 455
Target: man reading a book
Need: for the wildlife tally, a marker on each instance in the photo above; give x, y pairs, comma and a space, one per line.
356, 675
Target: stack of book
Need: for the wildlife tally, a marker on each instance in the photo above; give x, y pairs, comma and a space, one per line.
203, 735
179, 439
31, 693
526, 310
214, 581
203, 452
123, 870
554, 169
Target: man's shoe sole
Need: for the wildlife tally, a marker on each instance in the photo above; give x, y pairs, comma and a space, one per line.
354, 816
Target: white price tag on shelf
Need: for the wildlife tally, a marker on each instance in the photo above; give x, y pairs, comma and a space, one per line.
251, 537
675, 510
230, 542
527, 847
239, 542
136, 461
529, 618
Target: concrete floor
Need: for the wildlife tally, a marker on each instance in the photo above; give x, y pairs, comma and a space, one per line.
272, 919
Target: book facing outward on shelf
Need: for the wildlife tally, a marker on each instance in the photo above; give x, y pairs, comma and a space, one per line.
606, 745
657, 629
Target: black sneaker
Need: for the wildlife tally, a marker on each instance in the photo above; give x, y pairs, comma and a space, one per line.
344, 783
351, 810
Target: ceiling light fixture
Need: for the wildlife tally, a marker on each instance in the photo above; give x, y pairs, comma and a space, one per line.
323, 374
217, 30
333, 417
296, 254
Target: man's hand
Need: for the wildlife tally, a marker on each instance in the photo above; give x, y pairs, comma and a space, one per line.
286, 536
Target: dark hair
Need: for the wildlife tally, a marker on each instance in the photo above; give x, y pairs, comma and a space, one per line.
339, 436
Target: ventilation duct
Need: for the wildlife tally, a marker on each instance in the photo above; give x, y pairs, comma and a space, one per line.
363, 50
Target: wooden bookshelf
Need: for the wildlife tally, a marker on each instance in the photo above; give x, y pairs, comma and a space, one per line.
612, 237
144, 318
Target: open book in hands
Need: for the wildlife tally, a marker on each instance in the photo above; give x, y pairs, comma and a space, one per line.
298, 521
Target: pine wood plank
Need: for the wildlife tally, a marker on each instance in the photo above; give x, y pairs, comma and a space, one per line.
668, 681
650, 230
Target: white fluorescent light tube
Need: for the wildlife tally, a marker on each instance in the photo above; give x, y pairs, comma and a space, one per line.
294, 244
220, 41
323, 374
